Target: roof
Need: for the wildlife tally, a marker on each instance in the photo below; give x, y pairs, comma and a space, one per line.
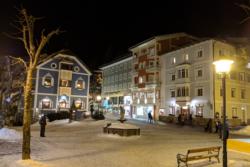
117, 60
164, 36
68, 53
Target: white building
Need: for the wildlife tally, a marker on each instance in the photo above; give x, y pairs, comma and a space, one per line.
190, 85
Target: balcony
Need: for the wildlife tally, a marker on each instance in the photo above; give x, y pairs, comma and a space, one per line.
152, 83
153, 67
183, 98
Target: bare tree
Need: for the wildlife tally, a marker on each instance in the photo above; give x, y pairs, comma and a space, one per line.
33, 47
246, 9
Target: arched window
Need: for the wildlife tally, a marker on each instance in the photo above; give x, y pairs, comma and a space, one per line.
63, 101
48, 80
46, 103
80, 83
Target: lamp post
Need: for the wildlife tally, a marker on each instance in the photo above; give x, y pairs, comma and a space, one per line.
223, 67
98, 98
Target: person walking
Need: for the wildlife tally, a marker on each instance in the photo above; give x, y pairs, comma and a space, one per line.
150, 117
42, 123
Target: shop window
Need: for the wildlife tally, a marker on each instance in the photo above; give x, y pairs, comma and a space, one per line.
46, 103
171, 110
78, 103
199, 111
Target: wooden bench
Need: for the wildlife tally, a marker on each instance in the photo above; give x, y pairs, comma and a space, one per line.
199, 153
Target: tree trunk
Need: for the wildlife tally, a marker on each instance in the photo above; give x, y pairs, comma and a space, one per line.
27, 116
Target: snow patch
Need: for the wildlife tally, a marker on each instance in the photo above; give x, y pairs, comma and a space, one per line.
9, 134
31, 163
243, 131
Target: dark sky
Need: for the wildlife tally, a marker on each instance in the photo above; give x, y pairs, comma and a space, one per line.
99, 31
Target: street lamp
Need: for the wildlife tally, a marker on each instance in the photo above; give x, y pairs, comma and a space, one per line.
98, 98
223, 67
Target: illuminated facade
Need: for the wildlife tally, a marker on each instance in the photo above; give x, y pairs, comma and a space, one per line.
116, 85
61, 81
191, 86
146, 72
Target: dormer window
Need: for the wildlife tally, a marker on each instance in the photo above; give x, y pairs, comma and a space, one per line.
80, 84
48, 80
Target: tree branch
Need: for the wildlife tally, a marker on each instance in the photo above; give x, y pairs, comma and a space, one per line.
44, 40
19, 60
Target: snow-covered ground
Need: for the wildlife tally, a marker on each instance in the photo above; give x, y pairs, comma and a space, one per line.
242, 131
83, 144
9, 134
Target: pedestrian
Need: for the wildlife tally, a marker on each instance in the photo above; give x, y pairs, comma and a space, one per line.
182, 119
208, 127
191, 119
92, 110
150, 118
42, 123
122, 114
217, 123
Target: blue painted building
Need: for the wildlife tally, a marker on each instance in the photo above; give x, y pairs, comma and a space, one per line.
61, 81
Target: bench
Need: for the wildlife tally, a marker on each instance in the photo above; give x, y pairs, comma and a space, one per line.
199, 153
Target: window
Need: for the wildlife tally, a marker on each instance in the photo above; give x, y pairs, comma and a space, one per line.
53, 65
199, 72
243, 93
78, 103
183, 73
80, 84
66, 66
233, 75
187, 91
200, 92
62, 104
48, 80
152, 52
140, 80
173, 60
234, 112
179, 73
171, 110
241, 76
233, 91
65, 83
199, 110
172, 93
46, 103
221, 52
248, 77
178, 92
183, 91
173, 77
186, 57
76, 69
199, 54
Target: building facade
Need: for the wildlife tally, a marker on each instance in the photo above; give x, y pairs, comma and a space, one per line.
116, 85
146, 72
61, 81
190, 85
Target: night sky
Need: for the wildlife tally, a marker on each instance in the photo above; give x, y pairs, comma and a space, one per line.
101, 31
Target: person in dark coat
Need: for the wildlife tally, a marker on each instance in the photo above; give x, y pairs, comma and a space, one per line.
43, 123
150, 117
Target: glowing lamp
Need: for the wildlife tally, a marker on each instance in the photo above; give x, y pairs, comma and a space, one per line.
98, 98
223, 66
